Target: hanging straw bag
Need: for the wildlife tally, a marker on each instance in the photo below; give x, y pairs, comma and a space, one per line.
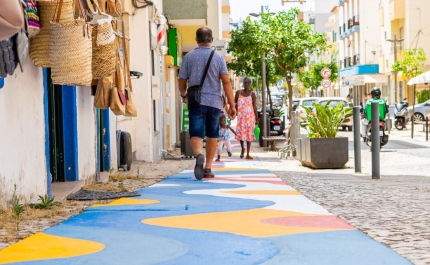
39, 44
130, 108
118, 100
113, 7
103, 92
103, 56
70, 51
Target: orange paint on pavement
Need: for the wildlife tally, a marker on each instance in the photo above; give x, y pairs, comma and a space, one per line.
127, 201
43, 246
246, 223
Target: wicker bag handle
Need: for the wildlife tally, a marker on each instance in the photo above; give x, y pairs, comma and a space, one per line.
126, 65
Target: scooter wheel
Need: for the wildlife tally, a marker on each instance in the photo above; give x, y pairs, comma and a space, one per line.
399, 126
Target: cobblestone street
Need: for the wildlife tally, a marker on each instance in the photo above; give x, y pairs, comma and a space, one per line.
393, 210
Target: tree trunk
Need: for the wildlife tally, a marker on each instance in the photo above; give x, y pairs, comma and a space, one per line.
268, 94
290, 98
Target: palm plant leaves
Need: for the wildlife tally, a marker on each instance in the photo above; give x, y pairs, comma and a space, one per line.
325, 121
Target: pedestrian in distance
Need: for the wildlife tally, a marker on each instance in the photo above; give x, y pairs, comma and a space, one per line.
204, 112
224, 137
247, 116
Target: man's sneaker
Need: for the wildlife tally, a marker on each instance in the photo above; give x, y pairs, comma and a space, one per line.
198, 169
229, 154
208, 174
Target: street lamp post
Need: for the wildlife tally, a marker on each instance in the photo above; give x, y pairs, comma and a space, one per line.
263, 85
395, 40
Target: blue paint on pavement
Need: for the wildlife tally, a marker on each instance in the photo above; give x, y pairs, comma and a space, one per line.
345, 247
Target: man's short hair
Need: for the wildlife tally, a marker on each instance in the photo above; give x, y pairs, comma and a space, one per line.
204, 35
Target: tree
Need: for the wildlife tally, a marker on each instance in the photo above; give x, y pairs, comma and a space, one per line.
412, 64
287, 40
247, 59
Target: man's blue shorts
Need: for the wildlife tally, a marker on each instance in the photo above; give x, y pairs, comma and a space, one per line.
204, 119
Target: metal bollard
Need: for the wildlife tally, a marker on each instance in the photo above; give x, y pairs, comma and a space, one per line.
357, 140
427, 128
375, 141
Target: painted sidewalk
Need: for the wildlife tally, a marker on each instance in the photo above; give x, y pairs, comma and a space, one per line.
245, 215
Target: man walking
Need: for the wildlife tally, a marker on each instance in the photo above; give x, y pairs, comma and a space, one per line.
204, 118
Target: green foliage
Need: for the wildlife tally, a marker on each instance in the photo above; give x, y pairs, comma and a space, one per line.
45, 202
302, 92
323, 121
423, 96
17, 208
279, 112
413, 62
312, 79
289, 41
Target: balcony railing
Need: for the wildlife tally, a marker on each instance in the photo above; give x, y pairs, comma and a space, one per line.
356, 20
356, 59
350, 23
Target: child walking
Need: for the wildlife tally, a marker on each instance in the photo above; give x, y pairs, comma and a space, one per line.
224, 136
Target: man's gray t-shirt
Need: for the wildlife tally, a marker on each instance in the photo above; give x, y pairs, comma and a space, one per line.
193, 66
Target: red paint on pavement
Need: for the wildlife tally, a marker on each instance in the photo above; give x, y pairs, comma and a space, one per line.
249, 180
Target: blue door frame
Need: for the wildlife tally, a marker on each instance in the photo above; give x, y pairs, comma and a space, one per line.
70, 134
103, 140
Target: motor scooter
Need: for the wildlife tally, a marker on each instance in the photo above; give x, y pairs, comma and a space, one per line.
401, 117
366, 132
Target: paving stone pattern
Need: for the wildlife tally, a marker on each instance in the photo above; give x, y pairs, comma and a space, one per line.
394, 210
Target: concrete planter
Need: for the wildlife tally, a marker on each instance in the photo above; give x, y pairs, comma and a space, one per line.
323, 152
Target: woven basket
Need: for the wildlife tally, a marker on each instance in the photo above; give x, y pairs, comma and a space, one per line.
70, 52
39, 44
104, 59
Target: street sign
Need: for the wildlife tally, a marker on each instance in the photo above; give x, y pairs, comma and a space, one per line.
354, 80
326, 83
326, 72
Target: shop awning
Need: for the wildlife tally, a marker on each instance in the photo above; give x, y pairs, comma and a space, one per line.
379, 78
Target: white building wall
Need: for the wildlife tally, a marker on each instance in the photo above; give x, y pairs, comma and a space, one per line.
147, 140
214, 18
87, 135
416, 12
22, 135
370, 31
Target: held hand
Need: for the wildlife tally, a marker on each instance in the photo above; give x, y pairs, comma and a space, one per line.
256, 121
232, 113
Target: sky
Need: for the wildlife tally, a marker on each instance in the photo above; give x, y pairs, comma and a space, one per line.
242, 8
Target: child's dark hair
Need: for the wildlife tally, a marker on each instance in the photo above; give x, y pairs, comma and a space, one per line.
222, 116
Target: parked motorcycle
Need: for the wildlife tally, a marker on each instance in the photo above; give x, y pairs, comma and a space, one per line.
366, 132
401, 116
277, 125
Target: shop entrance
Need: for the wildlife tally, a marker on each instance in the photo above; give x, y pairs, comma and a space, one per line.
56, 142
103, 140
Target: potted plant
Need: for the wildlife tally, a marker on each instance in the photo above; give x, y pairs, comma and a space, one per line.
322, 148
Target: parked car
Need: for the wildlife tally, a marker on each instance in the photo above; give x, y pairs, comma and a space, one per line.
421, 111
307, 102
334, 101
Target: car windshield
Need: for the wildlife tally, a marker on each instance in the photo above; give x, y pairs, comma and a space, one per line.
309, 102
333, 103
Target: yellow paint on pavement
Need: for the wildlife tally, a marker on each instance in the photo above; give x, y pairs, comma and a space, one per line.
43, 246
128, 201
246, 223
264, 192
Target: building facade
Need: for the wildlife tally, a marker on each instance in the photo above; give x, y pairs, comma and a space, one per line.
403, 21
